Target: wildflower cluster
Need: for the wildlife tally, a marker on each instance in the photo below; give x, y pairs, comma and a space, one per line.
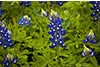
60, 3
25, 20
5, 37
90, 38
56, 30
0, 10
96, 7
9, 59
26, 3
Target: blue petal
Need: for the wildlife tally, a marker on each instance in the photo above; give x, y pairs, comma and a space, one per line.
46, 14
96, 19
83, 54
49, 32
11, 45
52, 46
45, 1
19, 23
85, 41
61, 20
10, 41
63, 32
5, 46
62, 39
6, 58
94, 14
64, 46
7, 64
92, 53
28, 1
93, 8
50, 18
87, 38
52, 40
4, 62
41, 15
93, 2
57, 2
28, 24
93, 41
51, 2
9, 37
60, 4
12, 60
5, 30
1, 42
21, 3
57, 35
49, 26
15, 61
40, 2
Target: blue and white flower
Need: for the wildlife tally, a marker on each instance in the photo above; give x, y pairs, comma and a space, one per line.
5, 36
9, 59
90, 38
43, 13
25, 20
56, 30
87, 52
53, 16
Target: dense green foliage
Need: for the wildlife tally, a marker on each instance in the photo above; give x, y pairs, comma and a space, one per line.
31, 44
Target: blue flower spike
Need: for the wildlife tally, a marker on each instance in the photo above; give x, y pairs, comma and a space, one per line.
56, 30
87, 52
5, 36
43, 13
90, 38
96, 8
9, 59
25, 20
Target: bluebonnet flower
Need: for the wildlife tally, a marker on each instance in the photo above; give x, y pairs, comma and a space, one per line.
9, 59
56, 30
87, 52
43, 13
0, 10
96, 8
25, 20
60, 3
90, 38
26, 3
5, 36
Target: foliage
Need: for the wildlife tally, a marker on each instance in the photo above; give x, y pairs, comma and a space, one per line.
31, 43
